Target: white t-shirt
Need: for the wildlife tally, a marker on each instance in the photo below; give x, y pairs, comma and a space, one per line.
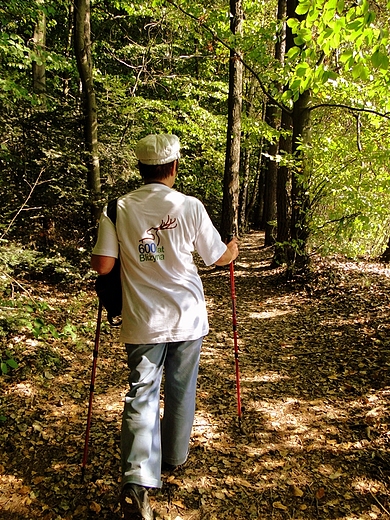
157, 229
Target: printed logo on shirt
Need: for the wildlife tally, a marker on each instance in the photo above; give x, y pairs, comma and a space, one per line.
149, 247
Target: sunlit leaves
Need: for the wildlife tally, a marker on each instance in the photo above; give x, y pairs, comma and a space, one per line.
380, 60
347, 35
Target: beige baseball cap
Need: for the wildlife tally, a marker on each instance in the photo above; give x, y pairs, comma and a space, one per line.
158, 149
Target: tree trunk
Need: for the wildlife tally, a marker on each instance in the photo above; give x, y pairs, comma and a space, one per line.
299, 257
38, 67
273, 116
282, 195
271, 167
246, 168
229, 223
283, 182
385, 256
254, 210
68, 48
243, 199
82, 44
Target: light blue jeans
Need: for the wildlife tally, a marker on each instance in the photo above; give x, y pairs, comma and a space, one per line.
144, 442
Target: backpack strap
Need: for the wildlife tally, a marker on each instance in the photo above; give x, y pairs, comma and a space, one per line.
112, 210
108, 286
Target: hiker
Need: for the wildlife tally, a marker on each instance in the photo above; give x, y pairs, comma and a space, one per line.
164, 313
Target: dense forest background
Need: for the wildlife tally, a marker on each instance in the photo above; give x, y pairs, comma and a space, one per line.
282, 109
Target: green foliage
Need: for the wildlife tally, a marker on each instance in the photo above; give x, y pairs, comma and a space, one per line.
349, 185
326, 29
7, 363
18, 262
158, 70
43, 330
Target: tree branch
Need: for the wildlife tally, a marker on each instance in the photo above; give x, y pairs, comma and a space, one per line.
348, 107
341, 219
262, 86
222, 42
32, 188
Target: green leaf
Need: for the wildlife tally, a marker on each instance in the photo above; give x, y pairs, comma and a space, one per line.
12, 363
340, 6
293, 52
302, 70
53, 331
360, 71
293, 24
369, 17
312, 15
306, 35
380, 60
295, 84
303, 7
345, 56
4, 367
286, 96
328, 15
356, 26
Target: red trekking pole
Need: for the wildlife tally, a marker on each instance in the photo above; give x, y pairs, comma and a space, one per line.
91, 388
235, 337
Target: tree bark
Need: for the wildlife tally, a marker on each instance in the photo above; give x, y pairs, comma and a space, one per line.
246, 168
282, 194
229, 223
273, 117
299, 257
385, 256
68, 48
255, 207
283, 181
82, 44
38, 67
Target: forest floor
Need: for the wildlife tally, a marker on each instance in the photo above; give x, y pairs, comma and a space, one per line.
315, 388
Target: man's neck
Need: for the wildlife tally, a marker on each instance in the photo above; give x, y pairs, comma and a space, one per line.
169, 181
156, 182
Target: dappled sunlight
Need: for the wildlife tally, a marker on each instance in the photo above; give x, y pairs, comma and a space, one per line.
315, 428
269, 377
271, 313
14, 494
364, 267
243, 267
23, 389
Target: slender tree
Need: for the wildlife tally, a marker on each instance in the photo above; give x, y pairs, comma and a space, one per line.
229, 222
283, 198
273, 116
38, 65
82, 44
247, 173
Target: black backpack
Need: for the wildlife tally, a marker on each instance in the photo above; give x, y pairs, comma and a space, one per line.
108, 286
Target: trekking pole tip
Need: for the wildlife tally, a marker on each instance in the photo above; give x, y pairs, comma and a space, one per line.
240, 426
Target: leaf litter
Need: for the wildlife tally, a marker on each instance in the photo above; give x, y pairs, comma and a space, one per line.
315, 389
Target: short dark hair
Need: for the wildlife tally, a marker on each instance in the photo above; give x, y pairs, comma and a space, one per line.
155, 171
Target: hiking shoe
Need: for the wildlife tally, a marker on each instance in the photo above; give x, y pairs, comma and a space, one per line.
169, 468
135, 504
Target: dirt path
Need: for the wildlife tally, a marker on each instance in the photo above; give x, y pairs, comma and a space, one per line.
315, 390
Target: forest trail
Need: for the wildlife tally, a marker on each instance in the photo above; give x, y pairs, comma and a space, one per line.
315, 388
